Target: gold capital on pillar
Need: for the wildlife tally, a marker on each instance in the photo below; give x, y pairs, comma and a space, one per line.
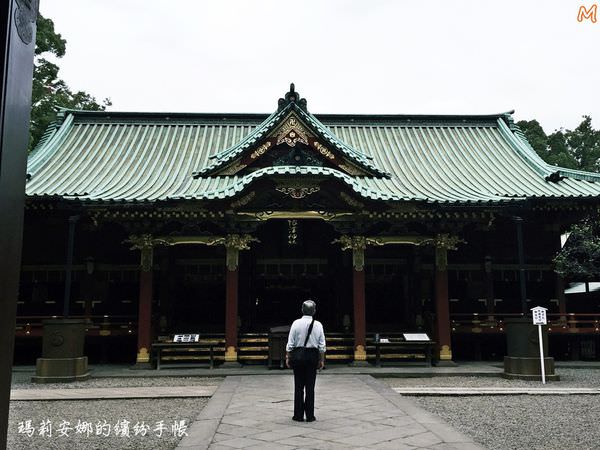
143, 356
145, 243
358, 245
234, 243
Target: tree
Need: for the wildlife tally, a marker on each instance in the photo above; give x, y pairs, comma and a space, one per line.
579, 259
584, 144
553, 149
535, 135
49, 92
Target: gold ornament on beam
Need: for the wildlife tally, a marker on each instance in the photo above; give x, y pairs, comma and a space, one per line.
260, 150
297, 192
324, 150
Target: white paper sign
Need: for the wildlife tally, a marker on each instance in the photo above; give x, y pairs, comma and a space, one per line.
186, 338
416, 337
539, 315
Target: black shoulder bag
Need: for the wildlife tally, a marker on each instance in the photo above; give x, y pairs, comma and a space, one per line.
305, 356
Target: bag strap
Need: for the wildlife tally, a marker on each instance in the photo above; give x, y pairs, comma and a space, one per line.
309, 331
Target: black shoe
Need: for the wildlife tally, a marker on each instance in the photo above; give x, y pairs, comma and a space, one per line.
298, 419
311, 419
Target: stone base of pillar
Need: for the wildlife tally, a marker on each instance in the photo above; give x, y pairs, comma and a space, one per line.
445, 363
445, 357
142, 361
360, 357
231, 358
141, 366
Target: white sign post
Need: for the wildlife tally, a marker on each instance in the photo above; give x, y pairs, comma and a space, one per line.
539, 319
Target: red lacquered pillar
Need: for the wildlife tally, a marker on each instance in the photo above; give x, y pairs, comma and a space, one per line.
231, 305
144, 332
360, 322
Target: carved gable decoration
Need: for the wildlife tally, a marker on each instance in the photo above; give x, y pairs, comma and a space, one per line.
290, 136
291, 132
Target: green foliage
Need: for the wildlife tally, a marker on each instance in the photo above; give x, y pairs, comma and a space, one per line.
535, 135
49, 92
553, 149
579, 259
584, 144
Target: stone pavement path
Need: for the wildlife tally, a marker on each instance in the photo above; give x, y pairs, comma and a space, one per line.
352, 412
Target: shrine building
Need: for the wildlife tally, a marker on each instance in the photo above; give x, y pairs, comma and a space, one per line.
222, 224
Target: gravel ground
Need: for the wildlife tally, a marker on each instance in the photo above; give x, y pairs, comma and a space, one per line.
23, 381
522, 422
149, 411
589, 378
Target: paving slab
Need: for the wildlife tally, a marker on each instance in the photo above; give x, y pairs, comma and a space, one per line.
112, 393
353, 411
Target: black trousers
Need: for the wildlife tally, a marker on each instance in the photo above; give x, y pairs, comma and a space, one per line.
304, 382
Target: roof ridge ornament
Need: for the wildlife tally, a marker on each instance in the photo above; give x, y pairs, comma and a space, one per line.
291, 97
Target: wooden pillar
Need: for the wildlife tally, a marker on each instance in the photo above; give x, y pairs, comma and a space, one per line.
145, 308
145, 243
358, 244
560, 283
231, 304
442, 304
443, 243
489, 287
358, 294
233, 244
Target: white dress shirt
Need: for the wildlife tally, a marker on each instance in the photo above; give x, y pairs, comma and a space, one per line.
298, 334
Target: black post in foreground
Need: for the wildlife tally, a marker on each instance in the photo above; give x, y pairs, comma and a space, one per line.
519, 223
72, 222
63, 339
17, 44
522, 343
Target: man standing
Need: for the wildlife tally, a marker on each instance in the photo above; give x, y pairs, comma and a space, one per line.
306, 332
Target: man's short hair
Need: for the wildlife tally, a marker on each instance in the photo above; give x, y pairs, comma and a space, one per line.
308, 308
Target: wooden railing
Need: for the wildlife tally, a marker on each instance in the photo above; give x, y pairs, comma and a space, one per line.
568, 323
105, 325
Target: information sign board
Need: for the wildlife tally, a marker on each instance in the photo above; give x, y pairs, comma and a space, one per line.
186, 338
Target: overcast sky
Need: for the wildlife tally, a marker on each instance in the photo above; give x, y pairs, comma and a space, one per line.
370, 56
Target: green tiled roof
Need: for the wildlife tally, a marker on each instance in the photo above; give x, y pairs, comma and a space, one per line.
135, 157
